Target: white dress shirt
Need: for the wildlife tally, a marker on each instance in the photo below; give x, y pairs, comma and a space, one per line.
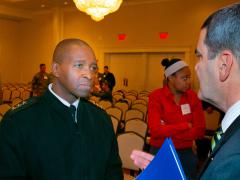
75, 103
232, 113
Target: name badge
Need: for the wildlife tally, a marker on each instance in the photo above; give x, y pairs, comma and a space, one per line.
185, 109
45, 77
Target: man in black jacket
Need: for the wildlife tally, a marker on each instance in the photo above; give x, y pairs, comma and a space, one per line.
60, 135
109, 77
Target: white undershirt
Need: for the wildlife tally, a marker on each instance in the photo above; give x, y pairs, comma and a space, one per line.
232, 113
75, 103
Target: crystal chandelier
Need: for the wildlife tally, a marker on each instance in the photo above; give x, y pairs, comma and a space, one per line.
97, 9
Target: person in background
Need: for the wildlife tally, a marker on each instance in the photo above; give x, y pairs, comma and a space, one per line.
175, 111
104, 93
109, 77
40, 81
61, 135
218, 70
97, 81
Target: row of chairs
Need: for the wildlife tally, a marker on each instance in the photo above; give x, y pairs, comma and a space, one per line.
134, 124
125, 114
3, 109
13, 95
10, 95
132, 94
131, 117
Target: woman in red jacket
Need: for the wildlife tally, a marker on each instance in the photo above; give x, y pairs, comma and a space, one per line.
175, 111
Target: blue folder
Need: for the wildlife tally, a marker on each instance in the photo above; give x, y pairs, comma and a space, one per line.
165, 165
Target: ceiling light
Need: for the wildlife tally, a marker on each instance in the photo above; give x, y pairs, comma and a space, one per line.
97, 9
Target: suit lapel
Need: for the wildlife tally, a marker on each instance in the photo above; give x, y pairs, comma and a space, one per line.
230, 131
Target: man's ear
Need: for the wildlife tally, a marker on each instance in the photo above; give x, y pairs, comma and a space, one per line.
55, 69
225, 64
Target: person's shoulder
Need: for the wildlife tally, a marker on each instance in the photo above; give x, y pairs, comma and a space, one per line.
25, 105
37, 74
156, 92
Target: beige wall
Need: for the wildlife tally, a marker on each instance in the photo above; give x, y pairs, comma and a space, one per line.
27, 43
36, 44
9, 51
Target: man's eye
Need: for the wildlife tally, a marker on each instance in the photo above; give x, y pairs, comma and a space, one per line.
93, 68
78, 65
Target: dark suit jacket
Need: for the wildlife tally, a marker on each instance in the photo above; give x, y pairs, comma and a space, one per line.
41, 141
224, 161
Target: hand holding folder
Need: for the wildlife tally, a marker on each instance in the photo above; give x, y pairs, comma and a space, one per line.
165, 165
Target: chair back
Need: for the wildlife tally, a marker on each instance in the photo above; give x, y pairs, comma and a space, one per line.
6, 95
26, 95
105, 104
115, 111
141, 101
127, 142
212, 120
136, 125
134, 113
4, 108
123, 106
141, 107
15, 94
16, 101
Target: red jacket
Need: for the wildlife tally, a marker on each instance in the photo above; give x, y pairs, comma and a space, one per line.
168, 119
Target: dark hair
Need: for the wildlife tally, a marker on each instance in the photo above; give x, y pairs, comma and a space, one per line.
41, 65
166, 62
106, 67
223, 31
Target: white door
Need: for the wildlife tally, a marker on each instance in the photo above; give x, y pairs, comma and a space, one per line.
141, 70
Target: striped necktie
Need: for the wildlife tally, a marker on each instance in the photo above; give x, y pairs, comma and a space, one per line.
73, 112
216, 138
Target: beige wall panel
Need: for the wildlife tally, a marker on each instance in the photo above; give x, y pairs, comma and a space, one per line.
9, 51
130, 66
155, 71
143, 70
36, 44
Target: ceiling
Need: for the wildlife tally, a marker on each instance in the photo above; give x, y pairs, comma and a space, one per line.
46, 4
23, 9
35, 4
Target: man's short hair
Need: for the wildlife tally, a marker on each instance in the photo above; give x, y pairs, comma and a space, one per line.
62, 48
106, 67
223, 31
41, 65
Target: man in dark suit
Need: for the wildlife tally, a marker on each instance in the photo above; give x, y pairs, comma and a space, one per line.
218, 70
61, 135
109, 77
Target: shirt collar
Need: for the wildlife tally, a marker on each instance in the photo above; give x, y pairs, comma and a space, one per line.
168, 92
232, 113
75, 103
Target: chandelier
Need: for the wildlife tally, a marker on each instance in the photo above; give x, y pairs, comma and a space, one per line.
97, 9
